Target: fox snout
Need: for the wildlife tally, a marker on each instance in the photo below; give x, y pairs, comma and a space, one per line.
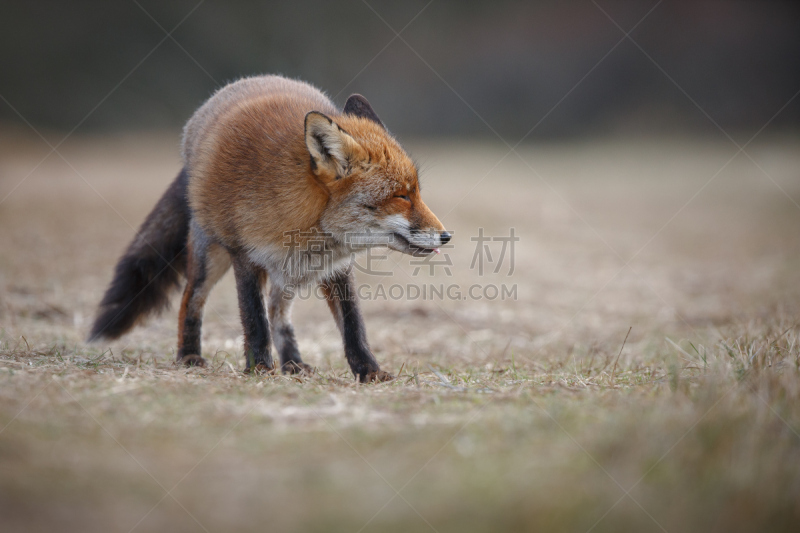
427, 242
423, 235
444, 237
440, 237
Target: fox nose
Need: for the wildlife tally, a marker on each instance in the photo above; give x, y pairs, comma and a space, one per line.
445, 237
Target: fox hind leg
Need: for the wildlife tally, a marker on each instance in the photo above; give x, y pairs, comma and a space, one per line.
250, 282
207, 263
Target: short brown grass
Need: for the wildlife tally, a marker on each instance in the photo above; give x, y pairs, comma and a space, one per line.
506, 416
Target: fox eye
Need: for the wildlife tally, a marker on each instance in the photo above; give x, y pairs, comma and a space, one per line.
403, 196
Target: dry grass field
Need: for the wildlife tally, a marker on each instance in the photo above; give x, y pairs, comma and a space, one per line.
526, 414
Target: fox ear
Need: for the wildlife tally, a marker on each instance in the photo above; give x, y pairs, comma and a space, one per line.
332, 149
358, 106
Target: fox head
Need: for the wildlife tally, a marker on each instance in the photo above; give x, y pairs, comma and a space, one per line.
372, 184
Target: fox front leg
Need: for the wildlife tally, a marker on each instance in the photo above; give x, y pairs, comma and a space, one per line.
340, 293
280, 310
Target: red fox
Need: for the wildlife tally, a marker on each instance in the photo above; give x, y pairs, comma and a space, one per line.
265, 158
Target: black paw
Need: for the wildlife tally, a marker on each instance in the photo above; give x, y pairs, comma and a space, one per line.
297, 367
261, 369
192, 360
376, 376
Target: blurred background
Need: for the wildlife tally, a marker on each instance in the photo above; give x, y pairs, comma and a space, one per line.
650, 242
458, 68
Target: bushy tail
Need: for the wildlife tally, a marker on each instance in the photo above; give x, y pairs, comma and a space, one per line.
151, 267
